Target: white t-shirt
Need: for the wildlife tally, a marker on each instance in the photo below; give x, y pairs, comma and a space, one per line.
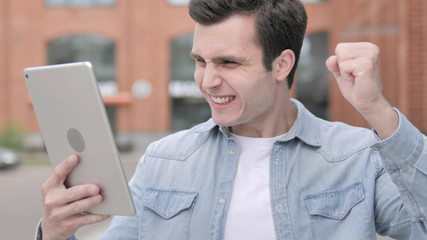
249, 216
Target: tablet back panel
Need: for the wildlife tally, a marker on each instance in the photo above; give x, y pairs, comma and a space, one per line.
72, 119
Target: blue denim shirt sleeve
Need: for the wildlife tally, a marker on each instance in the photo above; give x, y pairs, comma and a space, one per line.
39, 231
39, 234
404, 157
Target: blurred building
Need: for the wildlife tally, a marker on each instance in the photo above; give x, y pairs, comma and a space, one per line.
140, 51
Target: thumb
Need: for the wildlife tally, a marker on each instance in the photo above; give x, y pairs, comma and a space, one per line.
332, 65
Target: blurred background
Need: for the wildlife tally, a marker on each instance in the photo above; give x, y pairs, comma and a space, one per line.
140, 52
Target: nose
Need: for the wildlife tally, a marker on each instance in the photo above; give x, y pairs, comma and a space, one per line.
211, 78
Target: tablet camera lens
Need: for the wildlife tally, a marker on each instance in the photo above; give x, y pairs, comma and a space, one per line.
75, 139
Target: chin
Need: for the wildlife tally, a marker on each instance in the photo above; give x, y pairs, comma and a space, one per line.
225, 122
218, 120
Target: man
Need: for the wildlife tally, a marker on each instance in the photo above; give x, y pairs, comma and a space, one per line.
263, 167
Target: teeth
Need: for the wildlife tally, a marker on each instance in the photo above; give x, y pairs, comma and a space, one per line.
222, 100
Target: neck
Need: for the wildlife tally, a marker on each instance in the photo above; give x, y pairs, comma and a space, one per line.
277, 122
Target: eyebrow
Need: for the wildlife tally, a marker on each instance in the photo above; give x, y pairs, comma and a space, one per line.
230, 58
195, 56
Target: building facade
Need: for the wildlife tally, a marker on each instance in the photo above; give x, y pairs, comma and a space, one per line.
140, 49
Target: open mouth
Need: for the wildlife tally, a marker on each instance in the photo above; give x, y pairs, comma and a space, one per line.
222, 100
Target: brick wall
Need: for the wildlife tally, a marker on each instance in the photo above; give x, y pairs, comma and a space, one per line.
143, 29
414, 62
398, 28
3, 53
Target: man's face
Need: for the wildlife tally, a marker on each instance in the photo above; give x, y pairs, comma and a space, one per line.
231, 75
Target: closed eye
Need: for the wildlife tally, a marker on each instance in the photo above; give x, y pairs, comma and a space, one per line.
200, 61
227, 63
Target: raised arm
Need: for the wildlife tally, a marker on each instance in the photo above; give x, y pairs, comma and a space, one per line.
402, 147
356, 67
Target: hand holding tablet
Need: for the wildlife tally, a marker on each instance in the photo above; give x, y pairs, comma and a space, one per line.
63, 208
72, 119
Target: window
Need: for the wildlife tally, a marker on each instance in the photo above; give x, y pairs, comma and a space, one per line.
80, 3
312, 84
178, 2
188, 105
98, 50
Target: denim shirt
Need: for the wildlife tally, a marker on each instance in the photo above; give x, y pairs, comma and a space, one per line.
328, 180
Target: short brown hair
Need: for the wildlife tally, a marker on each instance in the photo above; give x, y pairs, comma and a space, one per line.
281, 24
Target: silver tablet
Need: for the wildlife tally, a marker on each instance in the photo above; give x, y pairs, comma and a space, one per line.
73, 120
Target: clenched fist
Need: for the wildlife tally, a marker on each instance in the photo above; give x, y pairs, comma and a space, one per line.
356, 67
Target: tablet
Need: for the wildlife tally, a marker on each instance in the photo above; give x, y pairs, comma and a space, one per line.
73, 120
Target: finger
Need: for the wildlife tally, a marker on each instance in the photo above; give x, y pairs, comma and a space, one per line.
76, 193
62, 170
86, 219
348, 51
339, 70
332, 65
81, 191
82, 206
76, 208
64, 229
347, 69
59, 175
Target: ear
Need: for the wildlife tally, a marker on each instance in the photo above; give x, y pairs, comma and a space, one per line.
283, 64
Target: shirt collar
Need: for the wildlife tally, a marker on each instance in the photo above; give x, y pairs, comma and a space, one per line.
305, 127
205, 127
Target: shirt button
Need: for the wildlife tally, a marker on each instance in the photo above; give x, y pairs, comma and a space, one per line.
232, 153
276, 161
278, 207
221, 201
339, 212
169, 211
